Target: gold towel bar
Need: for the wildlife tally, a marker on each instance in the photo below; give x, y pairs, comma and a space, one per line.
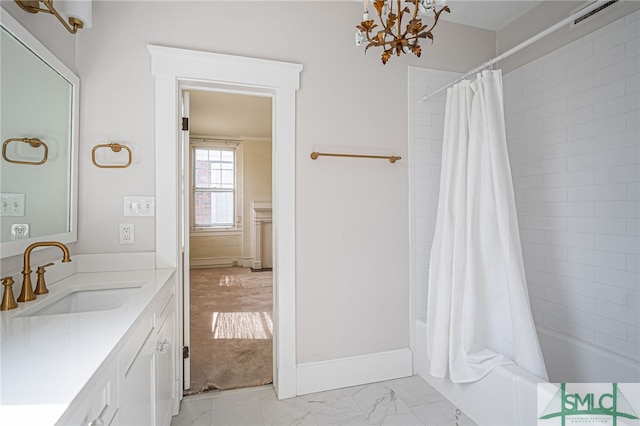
391, 158
115, 147
34, 142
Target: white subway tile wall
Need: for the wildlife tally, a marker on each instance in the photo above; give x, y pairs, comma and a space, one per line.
582, 271
573, 137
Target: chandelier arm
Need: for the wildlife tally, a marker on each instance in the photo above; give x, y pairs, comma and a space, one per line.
415, 15
415, 9
384, 43
376, 43
400, 13
437, 16
384, 25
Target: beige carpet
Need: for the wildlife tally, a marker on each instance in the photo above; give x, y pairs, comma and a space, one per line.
231, 329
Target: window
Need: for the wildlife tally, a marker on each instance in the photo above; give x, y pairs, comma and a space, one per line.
214, 186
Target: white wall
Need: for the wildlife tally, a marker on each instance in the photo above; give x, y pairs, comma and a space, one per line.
352, 224
256, 157
209, 250
572, 120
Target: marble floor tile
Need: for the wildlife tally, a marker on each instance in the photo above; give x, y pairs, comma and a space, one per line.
240, 407
413, 391
287, 413
193, 411
378, 403
408, 401
441, 413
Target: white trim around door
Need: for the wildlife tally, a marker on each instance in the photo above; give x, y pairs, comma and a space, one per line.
176, 68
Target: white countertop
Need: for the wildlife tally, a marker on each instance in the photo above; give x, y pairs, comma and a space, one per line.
46, 360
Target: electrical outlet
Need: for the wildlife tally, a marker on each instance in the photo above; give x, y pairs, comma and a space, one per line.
19, 231
127, 235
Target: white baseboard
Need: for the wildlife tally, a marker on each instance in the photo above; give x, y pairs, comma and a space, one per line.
214, 262
247, 262
353, 371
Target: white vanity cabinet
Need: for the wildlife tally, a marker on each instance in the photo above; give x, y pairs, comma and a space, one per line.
137, 385
136, 373
146, 366
97, 404
166, 378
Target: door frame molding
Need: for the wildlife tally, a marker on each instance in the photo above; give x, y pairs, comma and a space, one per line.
172, 68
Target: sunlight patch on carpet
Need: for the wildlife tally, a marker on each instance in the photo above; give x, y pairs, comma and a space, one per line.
252, 281
242, 325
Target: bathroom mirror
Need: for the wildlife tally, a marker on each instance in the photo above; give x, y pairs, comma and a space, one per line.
39, 130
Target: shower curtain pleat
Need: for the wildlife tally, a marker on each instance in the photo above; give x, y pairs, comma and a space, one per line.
478, 311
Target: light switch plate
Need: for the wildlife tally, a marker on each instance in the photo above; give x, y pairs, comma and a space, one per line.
12, 204
139, 205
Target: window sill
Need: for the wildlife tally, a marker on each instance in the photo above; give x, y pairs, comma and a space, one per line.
205, 232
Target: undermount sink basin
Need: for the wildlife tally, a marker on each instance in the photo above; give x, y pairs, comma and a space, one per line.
87, 300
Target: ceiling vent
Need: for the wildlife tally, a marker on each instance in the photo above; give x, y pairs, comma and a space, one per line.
588, 16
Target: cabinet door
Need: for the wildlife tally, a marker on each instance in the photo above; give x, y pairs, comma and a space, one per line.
98, 404
137, 391
165, 364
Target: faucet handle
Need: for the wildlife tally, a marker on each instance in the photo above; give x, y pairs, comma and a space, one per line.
8, 299
41, 287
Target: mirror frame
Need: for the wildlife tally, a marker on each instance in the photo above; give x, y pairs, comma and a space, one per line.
17, 247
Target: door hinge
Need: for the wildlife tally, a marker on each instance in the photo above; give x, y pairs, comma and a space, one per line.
185, 123
185, 352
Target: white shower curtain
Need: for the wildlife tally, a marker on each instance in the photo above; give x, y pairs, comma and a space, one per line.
478, 312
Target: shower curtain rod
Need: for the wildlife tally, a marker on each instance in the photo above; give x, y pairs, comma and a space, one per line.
593, 6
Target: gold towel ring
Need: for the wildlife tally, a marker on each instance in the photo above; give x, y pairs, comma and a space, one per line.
34, 142
115, 147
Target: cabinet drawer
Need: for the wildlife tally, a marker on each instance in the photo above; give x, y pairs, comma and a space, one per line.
98, 404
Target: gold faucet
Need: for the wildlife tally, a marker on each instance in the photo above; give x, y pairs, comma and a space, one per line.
27, 293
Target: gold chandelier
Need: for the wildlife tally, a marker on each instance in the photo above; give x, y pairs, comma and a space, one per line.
394, 38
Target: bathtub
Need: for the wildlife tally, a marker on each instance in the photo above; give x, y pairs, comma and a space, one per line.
570, 360
508, 395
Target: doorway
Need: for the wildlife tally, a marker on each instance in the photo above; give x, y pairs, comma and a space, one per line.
229, 242
172, 69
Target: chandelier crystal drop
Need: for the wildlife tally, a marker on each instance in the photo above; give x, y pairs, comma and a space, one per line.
394, 37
